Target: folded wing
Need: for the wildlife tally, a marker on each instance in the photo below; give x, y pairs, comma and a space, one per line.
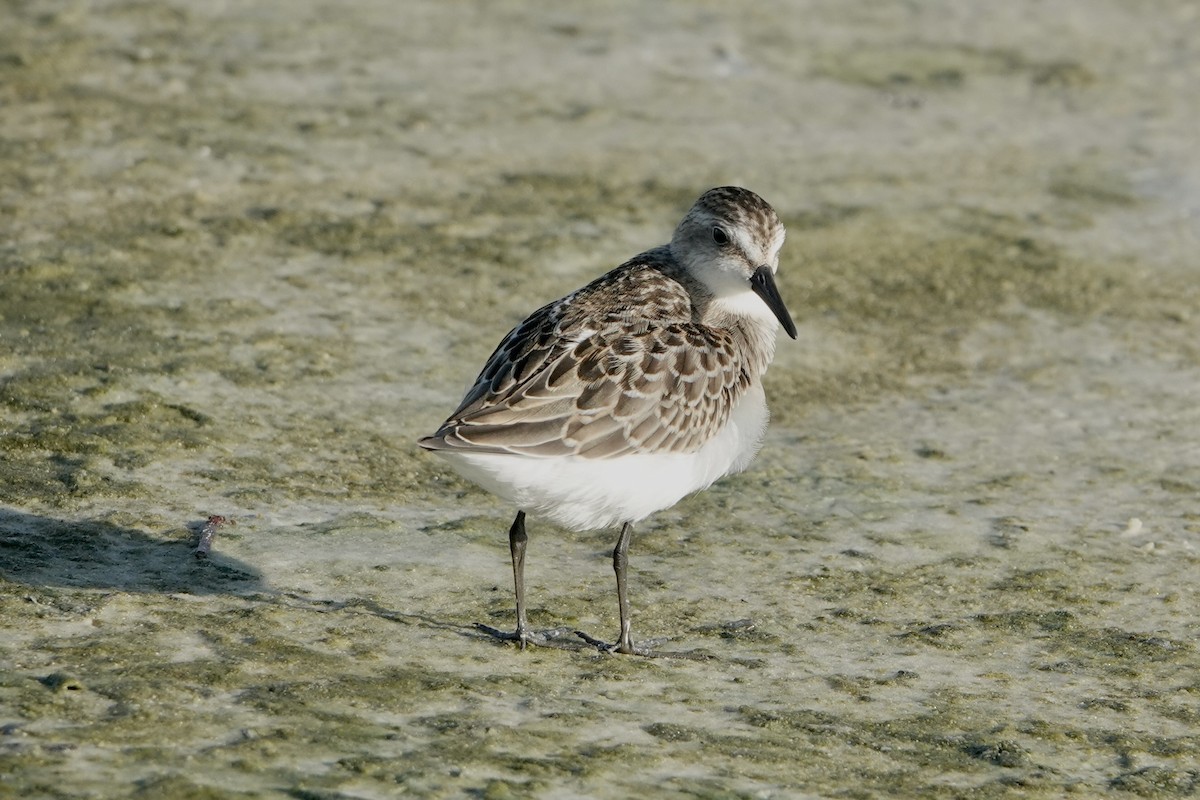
565, 382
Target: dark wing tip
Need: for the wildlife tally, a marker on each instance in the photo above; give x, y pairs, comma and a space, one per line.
435, 442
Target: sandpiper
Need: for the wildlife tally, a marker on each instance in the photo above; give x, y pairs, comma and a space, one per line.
631, 393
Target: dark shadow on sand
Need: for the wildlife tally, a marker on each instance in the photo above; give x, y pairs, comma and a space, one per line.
47, 552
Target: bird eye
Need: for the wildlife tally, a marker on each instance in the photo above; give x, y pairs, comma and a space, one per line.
720, 236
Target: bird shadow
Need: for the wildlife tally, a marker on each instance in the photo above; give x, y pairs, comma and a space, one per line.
90, 554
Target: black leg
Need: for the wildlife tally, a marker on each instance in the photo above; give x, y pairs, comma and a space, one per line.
523, 636
517, 540
624, 643
620, 560
620, 563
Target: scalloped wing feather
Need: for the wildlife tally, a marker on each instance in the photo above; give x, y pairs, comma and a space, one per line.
583, 376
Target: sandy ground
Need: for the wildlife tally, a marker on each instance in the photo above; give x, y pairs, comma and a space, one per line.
249, 252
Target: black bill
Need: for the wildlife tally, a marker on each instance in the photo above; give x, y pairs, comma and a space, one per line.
763, 284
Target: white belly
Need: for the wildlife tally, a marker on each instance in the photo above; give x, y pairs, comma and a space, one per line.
582, 493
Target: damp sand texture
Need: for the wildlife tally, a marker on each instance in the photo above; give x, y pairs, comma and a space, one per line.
249, 254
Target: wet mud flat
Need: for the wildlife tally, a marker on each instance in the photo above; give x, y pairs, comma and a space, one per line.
248, 255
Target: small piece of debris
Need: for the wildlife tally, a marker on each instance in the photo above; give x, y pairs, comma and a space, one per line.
208, 533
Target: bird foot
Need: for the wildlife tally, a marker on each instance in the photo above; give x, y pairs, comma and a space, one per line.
646, 649
618, 647
560, 638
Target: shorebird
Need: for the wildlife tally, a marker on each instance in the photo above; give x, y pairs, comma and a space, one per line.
625, 396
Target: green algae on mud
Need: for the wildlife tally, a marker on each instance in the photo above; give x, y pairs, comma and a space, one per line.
235, 688
900, 297
917, 65
250, 252
436, 729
